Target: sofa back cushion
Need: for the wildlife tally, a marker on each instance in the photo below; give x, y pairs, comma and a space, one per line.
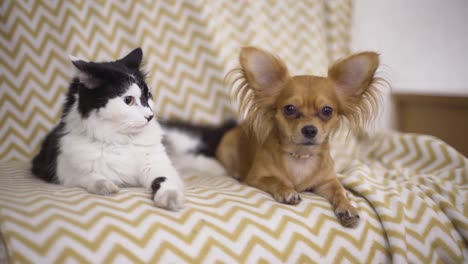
188, 47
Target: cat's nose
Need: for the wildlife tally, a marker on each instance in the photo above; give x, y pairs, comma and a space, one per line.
149, 117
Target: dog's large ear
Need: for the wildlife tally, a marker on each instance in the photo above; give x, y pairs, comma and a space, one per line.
354, 74
264, 71
255, 86
355, 83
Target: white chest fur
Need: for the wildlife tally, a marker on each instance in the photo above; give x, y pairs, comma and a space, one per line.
299, 169
121, 159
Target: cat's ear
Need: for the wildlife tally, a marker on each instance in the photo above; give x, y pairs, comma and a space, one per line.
133, 59
85, 72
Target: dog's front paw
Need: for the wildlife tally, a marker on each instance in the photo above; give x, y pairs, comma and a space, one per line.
103, 187
287, 196
167, 195
347, 214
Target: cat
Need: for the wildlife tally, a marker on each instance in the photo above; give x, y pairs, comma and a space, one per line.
108, 137
192, 146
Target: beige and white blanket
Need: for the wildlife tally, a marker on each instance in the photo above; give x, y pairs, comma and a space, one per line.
410, 190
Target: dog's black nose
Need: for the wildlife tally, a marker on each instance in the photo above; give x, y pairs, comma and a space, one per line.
149, 117
309, 131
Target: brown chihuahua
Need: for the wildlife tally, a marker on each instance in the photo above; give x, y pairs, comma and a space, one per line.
283, 147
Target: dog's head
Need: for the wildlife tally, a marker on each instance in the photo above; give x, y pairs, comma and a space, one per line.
304, 110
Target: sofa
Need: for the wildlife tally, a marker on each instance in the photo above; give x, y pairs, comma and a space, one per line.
410, 190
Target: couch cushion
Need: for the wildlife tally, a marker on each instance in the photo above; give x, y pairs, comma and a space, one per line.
410, 191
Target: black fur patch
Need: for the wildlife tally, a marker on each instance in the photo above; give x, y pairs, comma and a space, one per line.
44, 165
112, 79
210, 136
156, 184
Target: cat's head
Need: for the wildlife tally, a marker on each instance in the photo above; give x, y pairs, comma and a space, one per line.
113, 92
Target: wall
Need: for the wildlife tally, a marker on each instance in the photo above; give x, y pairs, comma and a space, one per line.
423, 44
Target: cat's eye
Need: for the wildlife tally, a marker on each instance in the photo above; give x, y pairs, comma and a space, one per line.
326, 111
129, 100
289, 110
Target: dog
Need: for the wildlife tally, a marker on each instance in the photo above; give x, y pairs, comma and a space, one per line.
283, 144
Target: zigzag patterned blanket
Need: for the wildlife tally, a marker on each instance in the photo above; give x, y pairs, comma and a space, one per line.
411, 192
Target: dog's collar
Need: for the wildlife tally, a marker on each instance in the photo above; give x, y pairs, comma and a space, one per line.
298, 156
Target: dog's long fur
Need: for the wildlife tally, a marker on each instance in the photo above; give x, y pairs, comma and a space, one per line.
283, 147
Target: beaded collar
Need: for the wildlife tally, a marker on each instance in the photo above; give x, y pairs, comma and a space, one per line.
298, 156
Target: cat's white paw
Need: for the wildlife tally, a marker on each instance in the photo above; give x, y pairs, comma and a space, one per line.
103, 187
167, 194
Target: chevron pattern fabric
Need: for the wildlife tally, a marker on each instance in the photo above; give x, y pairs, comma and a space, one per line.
188, 45
410, 190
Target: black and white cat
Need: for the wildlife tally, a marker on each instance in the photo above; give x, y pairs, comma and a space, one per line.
108, 138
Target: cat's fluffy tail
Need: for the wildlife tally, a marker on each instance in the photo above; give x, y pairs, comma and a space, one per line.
192, 147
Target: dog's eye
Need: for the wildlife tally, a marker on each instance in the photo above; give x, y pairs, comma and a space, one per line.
327, 111
129, 100
290, 110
